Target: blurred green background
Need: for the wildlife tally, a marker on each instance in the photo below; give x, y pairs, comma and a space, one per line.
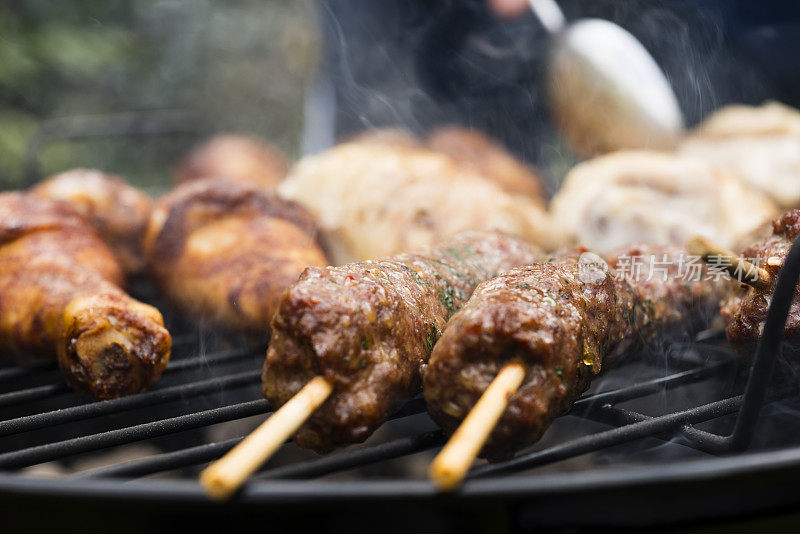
235, 65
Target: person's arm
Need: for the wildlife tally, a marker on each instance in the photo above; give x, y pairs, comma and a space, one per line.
508, 8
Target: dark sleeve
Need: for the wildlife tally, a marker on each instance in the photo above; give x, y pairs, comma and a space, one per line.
418, 63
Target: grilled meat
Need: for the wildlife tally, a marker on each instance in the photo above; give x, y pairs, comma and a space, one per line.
761, 144
476, 152
237, 158
654, 197
226, 252
369, 329
375, 199
745, 311
564, 320
473, 151
394, 137
60, 298
116, 210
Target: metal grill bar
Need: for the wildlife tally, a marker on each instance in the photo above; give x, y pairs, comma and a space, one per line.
609, 438
51, 390
33, 394
16, 373
205, 453
9, 374
213, 358
164, 462
596, 407
357, 458
591, 406
649, 387
96, 409
70, 447
769, 345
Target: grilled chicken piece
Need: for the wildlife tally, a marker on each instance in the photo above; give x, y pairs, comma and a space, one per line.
395, 137
374, 200
369, 328
245, 160
226, 251
116, 210
760, 144
564, 320
654, 197
476, 152
745, 312
60, 298
472, 150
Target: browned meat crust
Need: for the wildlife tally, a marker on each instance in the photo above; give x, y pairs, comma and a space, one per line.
60, 298
226, 252
395, 137
116, 210
237, 158
746, 310
475, 151
563, 326
369, 329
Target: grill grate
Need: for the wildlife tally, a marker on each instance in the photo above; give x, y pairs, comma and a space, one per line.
41, 420
193, 380
627, 424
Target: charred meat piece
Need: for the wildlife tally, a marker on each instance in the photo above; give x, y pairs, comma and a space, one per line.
369, 328
60, 297
564, 320
241, 159
226, 252
115, 209
745, 312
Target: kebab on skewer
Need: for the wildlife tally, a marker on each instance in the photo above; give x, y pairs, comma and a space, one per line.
529, 342
60, 298
226, 251
349, 344
757, 268
116, 210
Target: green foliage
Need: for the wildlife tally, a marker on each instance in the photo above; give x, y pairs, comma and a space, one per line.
241, 66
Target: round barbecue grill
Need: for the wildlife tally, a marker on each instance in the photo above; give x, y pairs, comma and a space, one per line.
686, 432
630, 452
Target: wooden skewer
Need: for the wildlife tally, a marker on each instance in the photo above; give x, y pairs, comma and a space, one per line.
451, 465
222, 478
737, 267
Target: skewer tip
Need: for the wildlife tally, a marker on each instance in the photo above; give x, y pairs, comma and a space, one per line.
221, 479
451, 465
215, 485
736, 266
444, 476
698, 246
